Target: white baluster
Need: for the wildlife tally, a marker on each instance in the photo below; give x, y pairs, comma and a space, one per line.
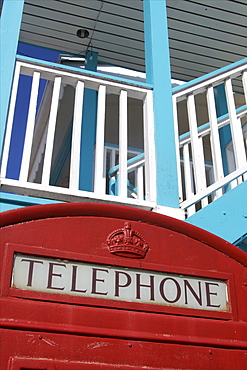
197, 149
30, 128
149, 148
176, 133
244, 78
105, 175
112, 164
215, 140
76, 138
99, 178
188, 179
139, 182
236, 128
113, 157
51, 132
10, 120
123, 144
231, 164
38, 157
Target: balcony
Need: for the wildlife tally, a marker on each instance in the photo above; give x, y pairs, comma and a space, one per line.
51, 156
122, 166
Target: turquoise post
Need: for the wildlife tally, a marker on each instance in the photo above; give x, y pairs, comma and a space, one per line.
10, 28
88, 133
159, 75
224, 132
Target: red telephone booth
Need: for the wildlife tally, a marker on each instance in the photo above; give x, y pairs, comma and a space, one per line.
109, 287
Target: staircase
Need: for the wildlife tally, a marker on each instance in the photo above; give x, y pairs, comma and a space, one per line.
226, 217
212, 164
208, 166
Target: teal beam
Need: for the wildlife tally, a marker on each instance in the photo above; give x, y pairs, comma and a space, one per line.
159, 75
88, 132
12, 201
220, 100
226, 217
242, 243
10, 28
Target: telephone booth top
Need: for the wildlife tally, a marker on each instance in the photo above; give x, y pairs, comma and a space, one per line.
103, 286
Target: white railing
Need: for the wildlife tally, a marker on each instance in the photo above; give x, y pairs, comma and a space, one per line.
41, 149
201, 143
135, 170
203, 174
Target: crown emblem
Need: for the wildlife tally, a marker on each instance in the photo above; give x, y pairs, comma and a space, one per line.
127, 243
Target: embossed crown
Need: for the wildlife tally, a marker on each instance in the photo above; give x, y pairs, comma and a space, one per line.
127, 242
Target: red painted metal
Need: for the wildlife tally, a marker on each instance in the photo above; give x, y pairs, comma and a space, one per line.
56, 331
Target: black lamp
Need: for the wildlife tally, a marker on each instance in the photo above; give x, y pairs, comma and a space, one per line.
82, 33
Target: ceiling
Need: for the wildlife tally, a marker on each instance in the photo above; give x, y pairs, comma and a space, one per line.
204, 35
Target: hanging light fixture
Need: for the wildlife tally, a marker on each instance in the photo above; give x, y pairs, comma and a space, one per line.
82, 33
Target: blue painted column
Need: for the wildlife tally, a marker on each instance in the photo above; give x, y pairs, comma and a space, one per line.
159, 75
88, 134
10, 28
